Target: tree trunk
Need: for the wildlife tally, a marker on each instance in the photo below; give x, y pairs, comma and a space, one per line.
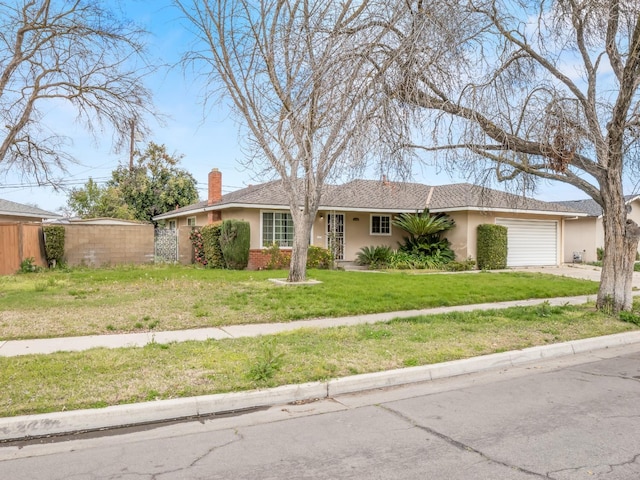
621, 237
301, 234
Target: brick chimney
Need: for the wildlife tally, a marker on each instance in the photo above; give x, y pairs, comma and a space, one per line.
215, 186
215, 193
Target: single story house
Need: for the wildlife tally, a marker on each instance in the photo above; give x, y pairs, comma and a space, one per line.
18, 212
585, 234
360, 213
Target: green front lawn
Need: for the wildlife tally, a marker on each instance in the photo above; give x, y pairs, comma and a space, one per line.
130, 299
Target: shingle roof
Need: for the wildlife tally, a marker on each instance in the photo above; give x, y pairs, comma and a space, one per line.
10, 208
376, 195
590, 206
372, 194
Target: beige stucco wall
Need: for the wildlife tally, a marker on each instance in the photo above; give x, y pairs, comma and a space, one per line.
581, 235
588, 234
357, 231
248, 215
201, 220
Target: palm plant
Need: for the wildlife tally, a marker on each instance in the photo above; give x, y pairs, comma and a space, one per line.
424, 231
423, 224
374, 256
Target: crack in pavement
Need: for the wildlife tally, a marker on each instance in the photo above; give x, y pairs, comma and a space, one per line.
611, 466
605, 375
460, 445
238, 438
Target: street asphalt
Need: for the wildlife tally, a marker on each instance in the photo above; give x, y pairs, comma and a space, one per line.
59, 423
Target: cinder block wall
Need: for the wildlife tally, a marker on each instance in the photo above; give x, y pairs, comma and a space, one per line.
97, 245
186, 254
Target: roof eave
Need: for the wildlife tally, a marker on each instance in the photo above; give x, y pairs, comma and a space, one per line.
173, 214
264, 206
511, 210
30, 215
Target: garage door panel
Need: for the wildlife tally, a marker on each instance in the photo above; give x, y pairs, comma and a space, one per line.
531, 242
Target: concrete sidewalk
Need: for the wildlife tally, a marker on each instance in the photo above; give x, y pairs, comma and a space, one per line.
12, 348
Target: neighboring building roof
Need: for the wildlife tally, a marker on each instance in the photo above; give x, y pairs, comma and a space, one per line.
98, 221
590, 206
380, 196
14, 209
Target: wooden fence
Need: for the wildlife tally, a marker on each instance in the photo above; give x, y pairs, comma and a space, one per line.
18, 242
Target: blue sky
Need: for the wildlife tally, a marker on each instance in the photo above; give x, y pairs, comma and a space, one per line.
206, 141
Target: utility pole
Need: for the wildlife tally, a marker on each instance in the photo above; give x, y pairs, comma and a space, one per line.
132, 139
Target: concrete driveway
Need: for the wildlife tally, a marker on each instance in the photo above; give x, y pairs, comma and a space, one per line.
586, 272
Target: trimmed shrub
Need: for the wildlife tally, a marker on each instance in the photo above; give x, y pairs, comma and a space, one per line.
54, 244
210, 236
465, 265
318, 257
492, 247
413, 261
278, 259
235, 238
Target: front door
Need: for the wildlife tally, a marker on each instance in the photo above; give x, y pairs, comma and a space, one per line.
335, 235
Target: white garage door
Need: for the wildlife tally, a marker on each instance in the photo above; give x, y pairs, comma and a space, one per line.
531, 242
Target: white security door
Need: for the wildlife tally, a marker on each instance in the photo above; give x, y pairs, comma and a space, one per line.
531, 242
335, 234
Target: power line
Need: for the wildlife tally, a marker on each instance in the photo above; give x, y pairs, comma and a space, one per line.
64, 183
99, 180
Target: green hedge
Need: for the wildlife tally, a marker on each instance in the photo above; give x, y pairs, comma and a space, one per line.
211, 245
235, 238
492, 247
54, 244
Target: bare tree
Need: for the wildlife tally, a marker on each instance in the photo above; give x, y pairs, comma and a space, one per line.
56, 54
298, 77
531, 90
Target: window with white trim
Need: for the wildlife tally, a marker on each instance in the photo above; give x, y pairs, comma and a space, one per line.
172, 224
380, 225
191, 221
277, 227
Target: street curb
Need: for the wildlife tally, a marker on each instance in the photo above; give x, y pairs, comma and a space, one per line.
59, 423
